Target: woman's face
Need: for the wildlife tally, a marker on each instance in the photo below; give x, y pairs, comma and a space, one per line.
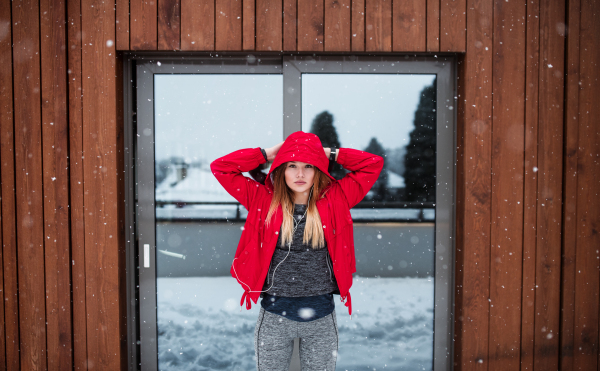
299, 176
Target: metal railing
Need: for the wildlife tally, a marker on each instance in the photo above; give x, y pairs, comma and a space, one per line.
376, 205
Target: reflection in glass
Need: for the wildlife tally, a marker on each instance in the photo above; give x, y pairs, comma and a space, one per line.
199, 118
393, 116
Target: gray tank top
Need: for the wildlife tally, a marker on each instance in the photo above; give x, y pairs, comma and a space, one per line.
305, 271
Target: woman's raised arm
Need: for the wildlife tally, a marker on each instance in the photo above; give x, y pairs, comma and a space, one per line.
365, 168
229, 168
228, 171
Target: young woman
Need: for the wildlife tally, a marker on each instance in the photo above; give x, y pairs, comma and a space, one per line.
297, 245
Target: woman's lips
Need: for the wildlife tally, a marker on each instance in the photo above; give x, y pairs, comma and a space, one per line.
300, 182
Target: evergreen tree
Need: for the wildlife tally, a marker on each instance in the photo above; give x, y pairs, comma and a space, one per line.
419, 162
323, 127
380, 188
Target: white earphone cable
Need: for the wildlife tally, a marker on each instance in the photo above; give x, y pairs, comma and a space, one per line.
288, 253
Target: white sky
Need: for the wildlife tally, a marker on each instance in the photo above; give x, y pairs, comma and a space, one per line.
364, 105
205, 116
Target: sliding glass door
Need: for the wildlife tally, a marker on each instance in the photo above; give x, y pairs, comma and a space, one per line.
190, 112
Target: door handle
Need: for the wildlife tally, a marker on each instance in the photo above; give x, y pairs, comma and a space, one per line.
146, 255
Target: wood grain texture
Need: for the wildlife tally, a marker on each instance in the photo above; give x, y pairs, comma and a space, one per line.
122, 24
587, 285
169, 24
452, 24
105, 339
378, 25
249, 22
228, 24
5, 119
143, 24
358, 25
337, 25
9, 326
310, 25
29, 191
549, 200
197, 25
78, 276
476, 105
530, 185
55, 146
569, 217
409, 26
433, 25
269, 21
290, 22
508, 130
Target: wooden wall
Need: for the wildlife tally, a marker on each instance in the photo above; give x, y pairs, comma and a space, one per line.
527, 254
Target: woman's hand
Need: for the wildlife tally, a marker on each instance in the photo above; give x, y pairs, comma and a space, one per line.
272, 152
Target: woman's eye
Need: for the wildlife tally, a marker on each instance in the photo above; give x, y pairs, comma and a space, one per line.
308, 166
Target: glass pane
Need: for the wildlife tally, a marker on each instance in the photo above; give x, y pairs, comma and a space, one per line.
392, 115
199, 118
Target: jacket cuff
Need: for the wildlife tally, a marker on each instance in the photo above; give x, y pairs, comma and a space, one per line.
264, 153
259, 155
341, 157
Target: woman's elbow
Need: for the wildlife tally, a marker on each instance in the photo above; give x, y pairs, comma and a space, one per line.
215, 167
379, 162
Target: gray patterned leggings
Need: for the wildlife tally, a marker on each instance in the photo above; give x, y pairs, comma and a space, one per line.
274, 340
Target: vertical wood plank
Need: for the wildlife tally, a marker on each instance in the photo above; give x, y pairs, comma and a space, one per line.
197, 25
569, 217
77, 182
433, 25
9, 342
122, 23
378, 24
5, 120
452, 25
530, 185
549, 208
105, 340
358, 25
28, 175
269, 21
476, 105
587, 279
169, 30
310, 25
56, 184
290, 22
2, 327
508, 129
248, 17
143, 20
409, 26
337, 25
228, 24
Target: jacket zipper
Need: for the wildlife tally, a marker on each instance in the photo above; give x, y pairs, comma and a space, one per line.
269, 271
330, 267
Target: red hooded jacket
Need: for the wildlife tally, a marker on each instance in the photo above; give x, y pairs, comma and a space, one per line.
257, 243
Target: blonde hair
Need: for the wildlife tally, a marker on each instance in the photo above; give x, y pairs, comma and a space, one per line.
284, 196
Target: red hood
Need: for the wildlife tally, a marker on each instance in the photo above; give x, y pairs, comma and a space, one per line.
303, 147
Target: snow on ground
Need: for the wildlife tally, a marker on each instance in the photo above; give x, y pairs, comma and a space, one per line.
201, 327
